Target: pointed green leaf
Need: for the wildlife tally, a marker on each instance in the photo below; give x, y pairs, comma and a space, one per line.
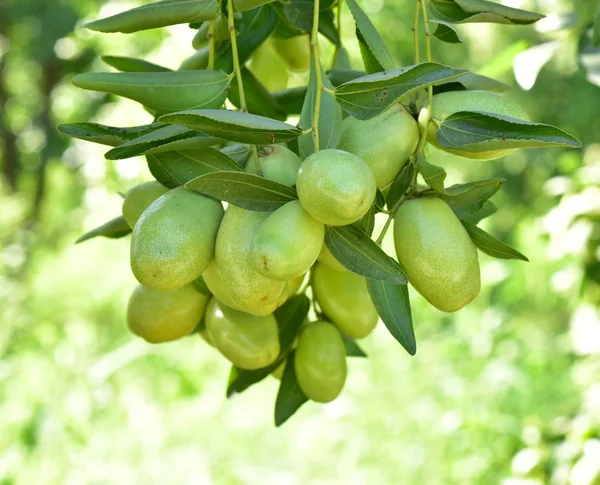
113, 229
400, 185
446, 32
238, 152
131, 64
433, 175
341, 59
472, 81
290, 397
352, 348
467, 11
466, 199
490, 245
243, 5
487, 209
105, 135
258, 99
340, 76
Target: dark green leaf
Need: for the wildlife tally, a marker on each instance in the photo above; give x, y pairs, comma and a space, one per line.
352, 348
131, 64
367, 223
490, 245
243, 5
290, 397
105, 135
472, 81
291, 100
596, 29
328, 28
113, 229
393, 306
446, 32
340, 76
299, 13
465, 199
465, 11
487, 209
341, 59
258, 99
200, 286
238, 152
433, 175
400, 185
369, 60
357, 252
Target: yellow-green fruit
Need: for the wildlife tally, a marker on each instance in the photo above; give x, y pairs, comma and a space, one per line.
320, 362
265, 64
385, 142
277, 163
174, 240
249, 289
437, 253
162, 316
218, 288
295, 51
139, 198
328, 259
247, 341
335, 187
344, 298
287, 243
445, 104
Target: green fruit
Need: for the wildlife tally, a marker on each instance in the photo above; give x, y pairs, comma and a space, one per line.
277, 163
385, 142
221, 32
174, 240
162, 316
344, 298
335, 187
445, 104
139, 198
197, 61
437, 253
262, 66
287, 243
320, 362
249, 289
216, 285
295, 51
247, 341
328, 259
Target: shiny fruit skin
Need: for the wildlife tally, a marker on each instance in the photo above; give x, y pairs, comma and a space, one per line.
320, 362
328, 259
344, 298
385, 142
163, 316
277, 163
287, 243
437, 253
262, 65
139, 198
218, 288
335, 187
174, 240
295, 51
247, 341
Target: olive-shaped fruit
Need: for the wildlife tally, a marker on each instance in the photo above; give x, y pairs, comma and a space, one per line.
445, 104
249, 289
437, 253
320, 362
247, 341
335, 187
277, 163
139, 198
162, 316
261, 65
174, 240
385, 142
295, 51
287, 243
218, 288
328, 259
344, 298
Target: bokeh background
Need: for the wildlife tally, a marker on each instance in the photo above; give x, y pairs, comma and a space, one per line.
506, 391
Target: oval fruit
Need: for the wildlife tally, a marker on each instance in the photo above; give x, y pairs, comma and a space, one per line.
163, 316
261, 65
287, 243
217, 287
174, 240
344, 298
320, 362
295, 51
445, 104
277, 163
437, 253
328, 259
247, 341
335, 187
139, 198
385, 142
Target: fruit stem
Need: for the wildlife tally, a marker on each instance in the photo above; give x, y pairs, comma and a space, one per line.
385, 229
415, 31
427, 49
211, 45
314, 45
339, 31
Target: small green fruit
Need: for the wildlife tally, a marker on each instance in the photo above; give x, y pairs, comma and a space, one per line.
277, 163
247, 341
335, 187
320, 362
261, 65
295, 51
163, 316
139, 198
328, 259
174, 240
437, 253
344, 298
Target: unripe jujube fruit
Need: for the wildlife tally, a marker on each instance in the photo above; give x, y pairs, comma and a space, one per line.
162, 316
320, 362
174, 240
218, 288
247, 341
287, 243
344, 298
261, 65
139, 198
335, 187
437, 253
385, 142
328, 259
295, 51
277, 163
445, 104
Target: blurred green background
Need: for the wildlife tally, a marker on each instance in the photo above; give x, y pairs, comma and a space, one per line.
506, 391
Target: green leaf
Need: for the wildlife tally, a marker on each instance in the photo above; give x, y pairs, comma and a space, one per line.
330, 118
477, 132
235, 126
299, 13
357, 252
238, 152
393, 306
352, 348
340, 76
328, 28
243, 5
465, 199
400, 185
487, 209
158, 14
113, 229
446, 32
103, 134
163, 92
131, 64
433, 175
289, 397
200, 286
472, 81
596, 29
467, 11
176, 168
258, 99
244, 190
490, 245
341, 59
291, 100
368, 96
370, 37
